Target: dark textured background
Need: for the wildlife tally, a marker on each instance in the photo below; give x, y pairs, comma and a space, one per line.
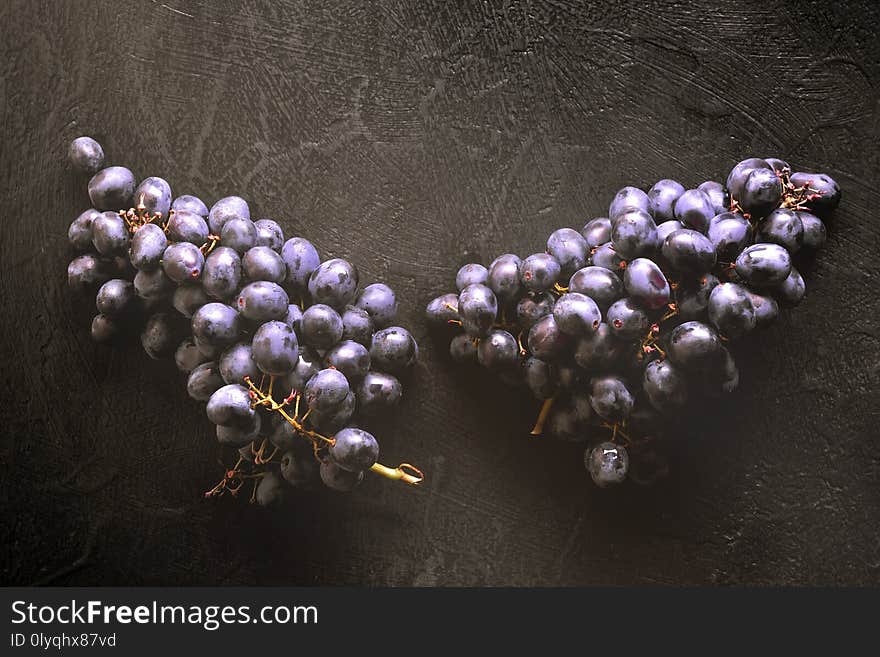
410, 138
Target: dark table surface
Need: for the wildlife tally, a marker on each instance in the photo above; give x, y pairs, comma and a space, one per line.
411, 137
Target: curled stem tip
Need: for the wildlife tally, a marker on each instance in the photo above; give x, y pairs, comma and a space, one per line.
405, 472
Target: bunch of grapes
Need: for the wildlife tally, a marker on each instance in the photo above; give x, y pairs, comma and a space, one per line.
291, 356
618, 326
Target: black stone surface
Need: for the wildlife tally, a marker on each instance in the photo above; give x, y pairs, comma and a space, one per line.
412, 137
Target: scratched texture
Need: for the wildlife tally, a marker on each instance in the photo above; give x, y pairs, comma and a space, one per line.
411, 137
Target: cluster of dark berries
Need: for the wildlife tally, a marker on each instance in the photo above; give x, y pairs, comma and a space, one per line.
617, 326
291, 356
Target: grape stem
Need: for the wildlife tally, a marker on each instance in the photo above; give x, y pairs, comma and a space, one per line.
405, 472
538, 429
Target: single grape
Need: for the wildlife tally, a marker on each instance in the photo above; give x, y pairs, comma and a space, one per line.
339, 479
261, 263
599, 350
600, 284
204, 381
393, 350
665, 229
633, 234
87, 271
567, 375
505, 274
188, 357
262, 301
661, 199
540, 378
187, 299
611, 399
820, 184
110, 234
626, 199
692, 297
570, 250
695, 210
783, 227
321, 326
147, 247
576, 314
463, 349
183, 262
478, 308
539, 272
766, 309
607, 463
814, 230
153, 284
761, 193
85, 155
440, 310
357, 325
606, 257
230, 207
380, 302
80, 232
471, 274
231, 406
301, 259
354, 449
717, 195
563, 424
665, 386
531, 308
736, 179
153, 195
689, 251
237, 362
597, 231
378, 392
300, 470
307, 365
546, 341
103, 328
694, 346
329, 422
498, 351
729, 374
293, 318
581, 407
351, 358
185, 226
114, 297
216, 324
326, 390
189, 203
627, 319
160, 336
269, 234
334, 283
112, 189
729, 233
238, 234
764, 265
646, 284
792, 290
275, 348
221, 275
271, 490
239, 436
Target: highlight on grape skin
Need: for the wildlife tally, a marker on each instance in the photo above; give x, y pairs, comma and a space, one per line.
292, 357
618, 327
